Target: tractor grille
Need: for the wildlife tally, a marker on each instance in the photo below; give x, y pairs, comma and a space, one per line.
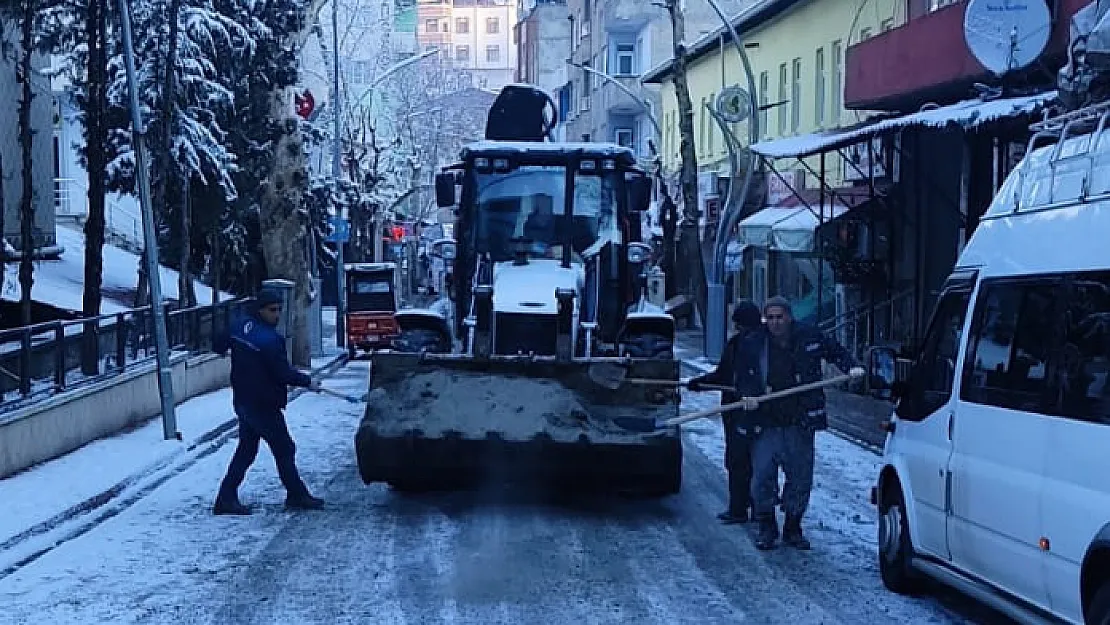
524, 333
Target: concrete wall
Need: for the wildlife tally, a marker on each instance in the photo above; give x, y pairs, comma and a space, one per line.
70, 420
42, 111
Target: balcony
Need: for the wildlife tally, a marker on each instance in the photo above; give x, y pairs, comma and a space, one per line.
927, 59
613, 99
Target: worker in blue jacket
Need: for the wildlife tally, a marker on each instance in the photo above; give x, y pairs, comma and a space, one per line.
260, 377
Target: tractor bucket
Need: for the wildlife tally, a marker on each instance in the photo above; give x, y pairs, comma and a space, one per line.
443, 421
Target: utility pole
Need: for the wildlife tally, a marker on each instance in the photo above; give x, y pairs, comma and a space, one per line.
150, 241
337, 172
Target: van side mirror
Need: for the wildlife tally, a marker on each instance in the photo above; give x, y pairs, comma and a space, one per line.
882, 371
639, 194
445, 189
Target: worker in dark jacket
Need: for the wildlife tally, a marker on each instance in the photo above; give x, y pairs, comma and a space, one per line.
260, 377
737, 361
791, 355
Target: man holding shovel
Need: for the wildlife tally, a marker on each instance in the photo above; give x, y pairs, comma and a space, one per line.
737, 362
260, 379
791, 355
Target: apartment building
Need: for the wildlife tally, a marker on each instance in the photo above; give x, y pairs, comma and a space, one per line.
474, 36
623, 39
543, 36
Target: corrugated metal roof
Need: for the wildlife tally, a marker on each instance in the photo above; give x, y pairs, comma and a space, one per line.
967, 115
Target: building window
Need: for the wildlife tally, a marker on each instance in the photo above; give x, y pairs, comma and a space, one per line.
493, 54
462, 25
764, 95
796, 95
887, 24
431, 26
701, 127
837, 81
626, 137
626, 59
864, 34
819, 87
462, 53
712, 125
587, 79
784, 99
493, 25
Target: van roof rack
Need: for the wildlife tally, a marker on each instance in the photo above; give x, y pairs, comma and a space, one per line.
1086, 115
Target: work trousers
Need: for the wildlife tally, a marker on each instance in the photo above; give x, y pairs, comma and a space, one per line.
738, 464
253, 428
791, 448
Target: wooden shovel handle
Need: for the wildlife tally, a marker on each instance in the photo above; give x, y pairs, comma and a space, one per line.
794, 390
713, 387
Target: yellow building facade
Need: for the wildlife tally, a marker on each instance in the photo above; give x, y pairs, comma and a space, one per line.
797, 50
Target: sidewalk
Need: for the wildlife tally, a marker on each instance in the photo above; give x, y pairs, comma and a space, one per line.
61, 491
853, 416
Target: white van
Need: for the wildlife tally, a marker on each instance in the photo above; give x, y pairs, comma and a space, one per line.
996, 467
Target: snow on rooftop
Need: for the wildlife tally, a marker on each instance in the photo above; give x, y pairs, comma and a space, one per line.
968, 114
60, 283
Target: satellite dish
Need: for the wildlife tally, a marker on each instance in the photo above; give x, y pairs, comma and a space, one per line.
1006, 35
734, 104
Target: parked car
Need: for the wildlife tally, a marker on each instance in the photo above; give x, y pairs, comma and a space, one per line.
996, 466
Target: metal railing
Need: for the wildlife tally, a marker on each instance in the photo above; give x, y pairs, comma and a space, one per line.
45, 359
889, 321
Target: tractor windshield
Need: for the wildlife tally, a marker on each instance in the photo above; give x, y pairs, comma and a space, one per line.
525, 207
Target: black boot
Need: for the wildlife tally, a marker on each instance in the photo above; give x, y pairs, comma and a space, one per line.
230, 506
768, 533
729, 517
304, 502
792, 534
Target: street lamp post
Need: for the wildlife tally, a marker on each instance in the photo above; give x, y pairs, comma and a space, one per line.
715, 327
150, 240
337, 173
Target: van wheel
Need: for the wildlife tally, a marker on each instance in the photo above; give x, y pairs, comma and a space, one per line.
895, 548
1099, 611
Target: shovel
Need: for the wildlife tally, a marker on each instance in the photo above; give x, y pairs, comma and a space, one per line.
612, 376
353, 400
634, 424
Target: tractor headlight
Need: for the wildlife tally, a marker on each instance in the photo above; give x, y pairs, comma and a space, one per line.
638, 253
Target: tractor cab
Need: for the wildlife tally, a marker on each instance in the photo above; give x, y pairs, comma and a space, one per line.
372, 303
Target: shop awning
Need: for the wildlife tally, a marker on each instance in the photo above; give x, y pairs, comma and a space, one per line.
786, 229
967, 115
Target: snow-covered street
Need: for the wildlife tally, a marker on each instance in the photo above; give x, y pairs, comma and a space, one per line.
374, 556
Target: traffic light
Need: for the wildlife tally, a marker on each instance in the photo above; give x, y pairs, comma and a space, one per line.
398, 234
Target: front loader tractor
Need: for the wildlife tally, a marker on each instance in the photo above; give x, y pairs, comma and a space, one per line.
500, 382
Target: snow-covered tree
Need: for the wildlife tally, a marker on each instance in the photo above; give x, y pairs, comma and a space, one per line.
435, 112
182, 68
